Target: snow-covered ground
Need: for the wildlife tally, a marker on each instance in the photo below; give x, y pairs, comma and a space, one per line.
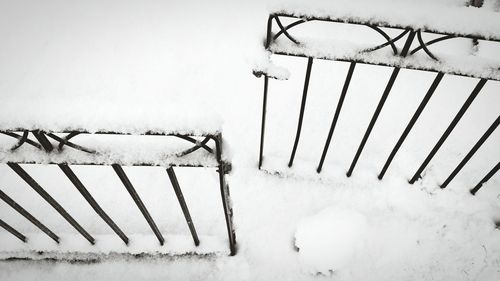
175, 59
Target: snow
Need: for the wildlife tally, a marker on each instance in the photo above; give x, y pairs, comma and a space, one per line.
125, 60
453, 16
472, 65
326, 242
112, 149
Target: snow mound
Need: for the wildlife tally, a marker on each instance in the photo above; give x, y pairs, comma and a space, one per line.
329, 240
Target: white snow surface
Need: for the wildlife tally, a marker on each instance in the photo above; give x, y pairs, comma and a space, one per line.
133, 65
112, 149
448, 16
327, 241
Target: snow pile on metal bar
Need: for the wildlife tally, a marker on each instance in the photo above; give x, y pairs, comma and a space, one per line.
443, 16
106, 149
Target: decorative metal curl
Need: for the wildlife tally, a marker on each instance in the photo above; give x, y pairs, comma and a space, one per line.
65, 141
197, 146
22, 139
424, 45
284, 31
389, 40
387, 37
197, 143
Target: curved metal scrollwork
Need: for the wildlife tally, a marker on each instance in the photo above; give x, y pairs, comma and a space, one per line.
22, 139
197, 146
389, 40
65, 141
424, 45
284, 30
196, 142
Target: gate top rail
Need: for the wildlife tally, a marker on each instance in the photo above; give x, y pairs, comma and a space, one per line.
473, 23
106, 148
443, 17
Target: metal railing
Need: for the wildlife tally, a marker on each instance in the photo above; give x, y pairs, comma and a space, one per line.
276, 30
53, 143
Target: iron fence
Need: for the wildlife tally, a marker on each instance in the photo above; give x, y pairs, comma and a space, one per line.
52, 143
277, 30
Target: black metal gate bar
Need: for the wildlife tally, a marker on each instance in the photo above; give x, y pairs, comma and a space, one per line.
65, 141
302, 108
88, 197
130, 188
469, 155
224, 189
337, 114
263, 125
22, 139
12, 231
42, 139
31, 182
380, 105
223, 168
450, 128
414, 118
28, 216
182, 203
264, 99
486, 178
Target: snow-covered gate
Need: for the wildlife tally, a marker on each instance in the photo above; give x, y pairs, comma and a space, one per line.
60, 148
471, 24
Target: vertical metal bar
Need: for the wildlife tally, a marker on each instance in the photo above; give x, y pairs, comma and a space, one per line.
302, 108
336, 115
263, 125
485, 179
410, 125
131, 190
269, 30
387, 90
31, 182
81, 188
42, 139
474, 149
380, 105
13, 231
182, 203
450, 128
28, 216
224, 189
